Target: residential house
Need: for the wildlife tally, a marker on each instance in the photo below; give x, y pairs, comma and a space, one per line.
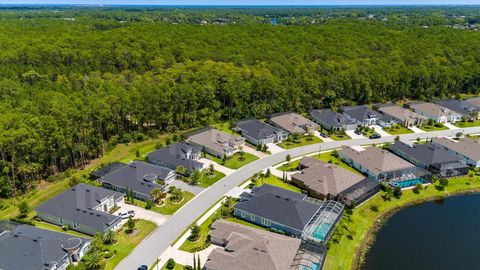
403, 116
466, 109
332, 121
101, 172
361, 115
215, 142
431, 157
436, 112
175, 155
293, 123
260, 133
323, 181
246, 248
292, 213
381, 165
140, 178
466, 148
24, 247
83, 208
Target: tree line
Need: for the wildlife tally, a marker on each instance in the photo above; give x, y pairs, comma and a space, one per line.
70, 90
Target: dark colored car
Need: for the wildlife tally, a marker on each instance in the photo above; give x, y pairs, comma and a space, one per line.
375, 136
143, 267
324, 135
358, 132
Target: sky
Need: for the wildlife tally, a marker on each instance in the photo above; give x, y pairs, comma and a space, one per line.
248, 2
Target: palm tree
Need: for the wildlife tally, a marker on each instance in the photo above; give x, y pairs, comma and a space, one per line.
94, 260
180, 170
176, 194
110, 237
157, 194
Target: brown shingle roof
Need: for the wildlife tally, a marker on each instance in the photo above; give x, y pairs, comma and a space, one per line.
293, 122
250, 249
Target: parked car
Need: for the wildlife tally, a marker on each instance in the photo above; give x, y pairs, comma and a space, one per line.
142, 267
127, 214
358, 132
375, 136
324, 135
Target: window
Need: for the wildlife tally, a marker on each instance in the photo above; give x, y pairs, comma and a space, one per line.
266, 222
242, 214
252, 217
61, 220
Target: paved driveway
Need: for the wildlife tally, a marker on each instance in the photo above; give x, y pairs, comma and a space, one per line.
416, 130
206, 163
274, 149
158, 241
250, 150
450, 126
143, 213
180, 184
353, 135
378, 129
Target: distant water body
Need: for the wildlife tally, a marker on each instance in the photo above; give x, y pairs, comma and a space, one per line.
440, 235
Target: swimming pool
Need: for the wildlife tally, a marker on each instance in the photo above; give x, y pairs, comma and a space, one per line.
313, 266
321, 231
407, 183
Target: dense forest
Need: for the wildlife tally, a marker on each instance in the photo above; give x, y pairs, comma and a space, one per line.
73, 85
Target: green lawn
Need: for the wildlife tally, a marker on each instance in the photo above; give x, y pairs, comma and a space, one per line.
208, 180
51, 227
168, 208
427, 127
202, 242
225, 127
397, 130
126, 243
339, 137
349, 235
290, 166
304, 140
466, 124
275, 181
235, 161
368, 133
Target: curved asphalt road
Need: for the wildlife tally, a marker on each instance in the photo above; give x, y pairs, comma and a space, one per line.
158, 241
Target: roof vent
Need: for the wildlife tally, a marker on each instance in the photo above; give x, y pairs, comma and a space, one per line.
35, 240
88, 190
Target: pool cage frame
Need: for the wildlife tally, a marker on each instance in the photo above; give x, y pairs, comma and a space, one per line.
330, 213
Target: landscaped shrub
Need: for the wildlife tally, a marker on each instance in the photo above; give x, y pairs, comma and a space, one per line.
170, 264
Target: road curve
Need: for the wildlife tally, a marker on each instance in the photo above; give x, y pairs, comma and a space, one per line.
158, 241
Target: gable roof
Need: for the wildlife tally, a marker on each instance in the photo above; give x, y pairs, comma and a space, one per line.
77, 203
432, 109
331, 117
376, 160
459, 106
325, 178
29, 248
248, 248
293, 122
427, 153
257, 129
278, 205
360, 113
402, 114
467, 147
138, 176
177, 154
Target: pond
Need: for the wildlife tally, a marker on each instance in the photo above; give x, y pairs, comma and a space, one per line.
436, 235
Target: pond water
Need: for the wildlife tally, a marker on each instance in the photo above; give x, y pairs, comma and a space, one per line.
436, 235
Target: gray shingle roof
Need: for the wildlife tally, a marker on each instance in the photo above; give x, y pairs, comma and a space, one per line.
29, 248
331, 118
76, 204
247, 248
257, 129
466, 147
137, 176
177, 154
459, 106
279, 205
360, 113
474, 101
428, 153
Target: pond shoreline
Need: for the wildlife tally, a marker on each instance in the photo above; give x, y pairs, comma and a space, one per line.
369, 240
